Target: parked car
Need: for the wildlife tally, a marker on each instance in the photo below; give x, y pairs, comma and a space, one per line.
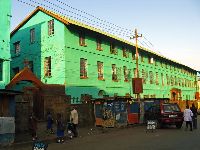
165, 114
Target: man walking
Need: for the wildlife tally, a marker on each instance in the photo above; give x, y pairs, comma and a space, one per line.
74, 120
187, 114
33, 126
194, 118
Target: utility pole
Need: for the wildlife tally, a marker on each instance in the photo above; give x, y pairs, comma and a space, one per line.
136, 51
137, 73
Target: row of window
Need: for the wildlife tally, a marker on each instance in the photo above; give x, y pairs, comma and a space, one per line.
29, 64
116, 73
32, 36
113, 48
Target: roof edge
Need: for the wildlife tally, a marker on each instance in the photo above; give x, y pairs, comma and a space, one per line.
68, 21
38, 8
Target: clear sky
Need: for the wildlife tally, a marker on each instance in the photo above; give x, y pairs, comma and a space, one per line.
171, 26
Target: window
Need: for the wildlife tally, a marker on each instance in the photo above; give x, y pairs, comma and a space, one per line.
156, 62
176, 80
142, 58
30, 65
1, 69
125, 52
15, 70
126, 73
135, 72
17, 48
172, 80
168, 81
47, 66
113, 49
150, 60
100, 70
161, 64
144, 76
114, 72
157, 79
98, 40
183, 83
151, 78
82, 39
162, 79
166, 65
51, 27
32, 35
179, 81
83, 68
133, 56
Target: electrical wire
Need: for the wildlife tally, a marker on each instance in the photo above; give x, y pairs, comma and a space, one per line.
122, 32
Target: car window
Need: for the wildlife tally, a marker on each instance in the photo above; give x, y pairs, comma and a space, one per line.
170, 108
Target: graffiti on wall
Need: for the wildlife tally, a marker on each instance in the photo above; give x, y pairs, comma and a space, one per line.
108, 115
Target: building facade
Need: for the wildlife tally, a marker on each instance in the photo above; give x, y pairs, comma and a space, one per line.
5, 11
7, 101
92, 63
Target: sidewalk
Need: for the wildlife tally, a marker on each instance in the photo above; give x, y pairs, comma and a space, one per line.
24, 139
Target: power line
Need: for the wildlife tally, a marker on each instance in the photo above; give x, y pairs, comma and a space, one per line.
92, 15
122, 32
105, 27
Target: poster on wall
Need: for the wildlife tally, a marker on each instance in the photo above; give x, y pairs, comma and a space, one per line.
108, 115
120, 113
7, 125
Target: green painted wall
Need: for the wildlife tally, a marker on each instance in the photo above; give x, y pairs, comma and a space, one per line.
65, 51
44, 46
92, 85
5, 11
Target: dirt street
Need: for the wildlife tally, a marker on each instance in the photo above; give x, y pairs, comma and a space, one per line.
133, 138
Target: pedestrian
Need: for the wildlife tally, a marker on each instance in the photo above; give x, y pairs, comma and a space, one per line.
194, 118
33, 126
49, 123
60, 128
74, 120
187, 114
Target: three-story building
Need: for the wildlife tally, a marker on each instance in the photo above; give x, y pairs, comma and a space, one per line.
91, 62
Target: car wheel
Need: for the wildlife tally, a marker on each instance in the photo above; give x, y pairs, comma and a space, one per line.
178, 125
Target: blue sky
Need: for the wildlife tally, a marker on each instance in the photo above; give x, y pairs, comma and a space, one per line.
170, 27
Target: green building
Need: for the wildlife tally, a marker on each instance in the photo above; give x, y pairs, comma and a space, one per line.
7, 97
91, 62
5, 11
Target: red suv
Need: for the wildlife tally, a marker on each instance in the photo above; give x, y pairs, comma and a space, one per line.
165, 114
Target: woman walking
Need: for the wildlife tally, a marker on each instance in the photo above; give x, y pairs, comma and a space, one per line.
60, 128
187, 114
49, 123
